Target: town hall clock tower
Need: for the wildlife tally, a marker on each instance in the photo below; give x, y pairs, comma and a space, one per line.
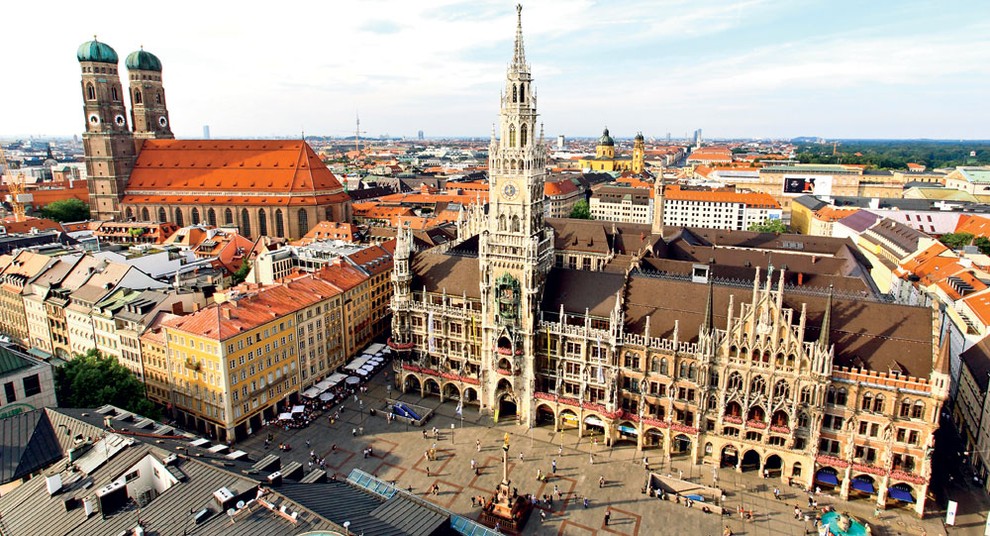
515, 248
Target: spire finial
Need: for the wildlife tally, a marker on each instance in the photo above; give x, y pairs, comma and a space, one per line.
519, 57
826, 321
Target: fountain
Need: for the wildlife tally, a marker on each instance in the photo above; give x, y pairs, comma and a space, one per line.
842, 525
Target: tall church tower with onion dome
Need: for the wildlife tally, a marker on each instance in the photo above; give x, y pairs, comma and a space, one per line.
148, 112
516, 247
107, 141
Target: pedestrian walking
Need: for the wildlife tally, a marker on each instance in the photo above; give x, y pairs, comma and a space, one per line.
539, 474
797, 512
591, 458
776, 493
608, 516
646, 463
766, 473
553, 466
474, 464
424, 434
543, 515
876, 512
477, 442
474, 501
428, 472
354, 432
556, 492
520, 457
601, 481
586, 502
560, 450
307, 443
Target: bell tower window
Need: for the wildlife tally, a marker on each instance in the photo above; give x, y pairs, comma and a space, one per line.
158, 97
113, 93
137, 97
522, 92
512, 135
90, 92
515, 95
522, 135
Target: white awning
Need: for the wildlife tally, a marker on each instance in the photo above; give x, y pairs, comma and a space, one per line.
199, 442
594, 421
285, 416
298, 409
217, 448
337, 378
312, 392
237, 454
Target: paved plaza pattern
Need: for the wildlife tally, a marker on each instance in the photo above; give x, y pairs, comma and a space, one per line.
399, 454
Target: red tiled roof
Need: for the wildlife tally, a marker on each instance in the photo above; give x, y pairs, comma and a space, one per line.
974, 225
751, 199
166, 167
561, 187
253, 310
42, 224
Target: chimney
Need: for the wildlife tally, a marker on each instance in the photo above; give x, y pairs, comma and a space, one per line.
177, 308
225, 312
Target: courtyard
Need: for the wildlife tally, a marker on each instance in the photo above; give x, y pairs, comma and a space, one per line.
401, 454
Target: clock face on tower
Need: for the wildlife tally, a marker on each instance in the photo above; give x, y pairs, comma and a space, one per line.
509, 191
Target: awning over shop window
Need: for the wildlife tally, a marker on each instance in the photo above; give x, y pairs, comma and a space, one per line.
826, 478
901, 495
628, 430
862, 485
594, 421
568, 418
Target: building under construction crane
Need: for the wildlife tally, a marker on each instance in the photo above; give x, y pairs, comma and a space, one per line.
16, 195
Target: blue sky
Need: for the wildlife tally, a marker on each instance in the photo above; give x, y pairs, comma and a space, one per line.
750, 68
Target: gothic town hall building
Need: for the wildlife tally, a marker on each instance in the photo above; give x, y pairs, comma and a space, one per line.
815, 386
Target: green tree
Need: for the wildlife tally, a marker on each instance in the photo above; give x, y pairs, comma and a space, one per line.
957, 240
241, 274
581, 210
92, 380
983, 243
63, 210
769, 226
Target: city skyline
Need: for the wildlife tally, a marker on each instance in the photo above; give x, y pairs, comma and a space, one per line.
746, 69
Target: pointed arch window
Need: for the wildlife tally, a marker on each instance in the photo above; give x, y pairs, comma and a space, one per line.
515, 224
522, 92
90, 92
735, 382
158, 97
130, 214
178, 218
512, 140
523, 135
245, 223
228, 217
878, 403
867, 404
758, 386
663, 366
137, 96
162, 218
806, 395
515, 94
113, 94
279, 224
211, 217
262, 223
194, 216
303, 218
145, 215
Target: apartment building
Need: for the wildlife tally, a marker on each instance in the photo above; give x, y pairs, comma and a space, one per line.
622, 204
686, 207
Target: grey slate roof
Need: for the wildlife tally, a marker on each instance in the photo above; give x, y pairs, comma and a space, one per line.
368, 513
27, 445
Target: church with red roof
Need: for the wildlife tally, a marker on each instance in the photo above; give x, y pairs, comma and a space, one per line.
276, 188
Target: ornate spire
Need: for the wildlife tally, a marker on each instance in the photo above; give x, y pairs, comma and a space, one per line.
519, 57
709, 322
826, 322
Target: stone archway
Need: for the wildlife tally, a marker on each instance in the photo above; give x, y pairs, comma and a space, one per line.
729, 456
901, 495
627, 431
545, 416
652, 438
828, 476
411, 384
451, 392
568, 420
680, 445
470, 395
431, 387
774, 465
505, 406
750, 461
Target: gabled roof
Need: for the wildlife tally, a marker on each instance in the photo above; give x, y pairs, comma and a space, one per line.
242, 168
977, 360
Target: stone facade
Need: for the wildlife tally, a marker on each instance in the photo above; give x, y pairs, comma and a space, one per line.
812, 387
